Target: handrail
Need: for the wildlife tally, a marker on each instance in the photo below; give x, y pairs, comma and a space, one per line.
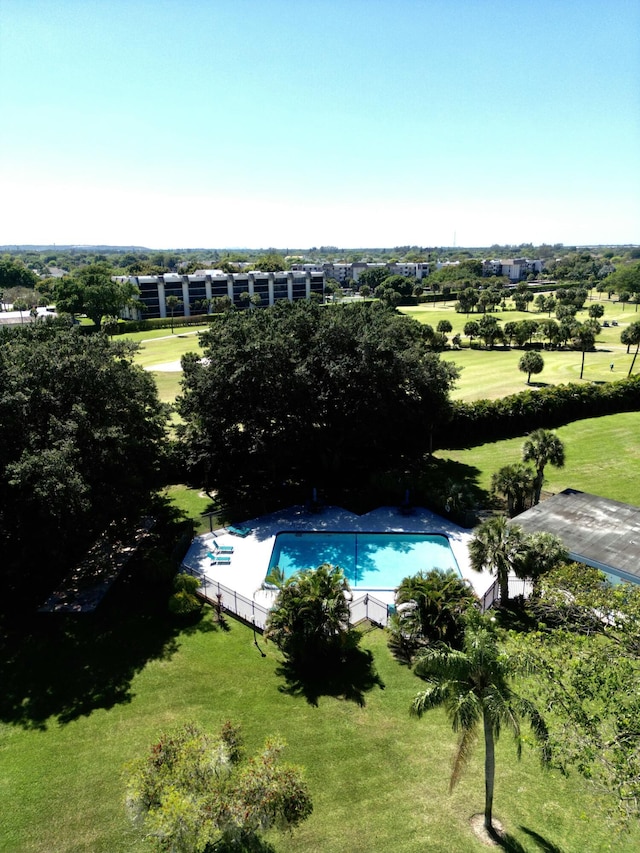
364, 607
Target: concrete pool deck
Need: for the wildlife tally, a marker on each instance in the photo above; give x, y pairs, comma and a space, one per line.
250, 558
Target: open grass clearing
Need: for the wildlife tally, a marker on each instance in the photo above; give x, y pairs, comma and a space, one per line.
602, 457
166, 349
378, 776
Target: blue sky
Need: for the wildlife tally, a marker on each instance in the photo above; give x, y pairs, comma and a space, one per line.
299, 123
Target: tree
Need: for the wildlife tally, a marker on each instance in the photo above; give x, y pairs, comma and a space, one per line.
473, 685
515, 483
584, 339
309, 621
172, 303
194, 793
543, 447
14, 273
497, 547
596, 310
81, 439
429, 609
586, 657
543, 553
287, 394
93, 291
631, 336
531, 362
489, 329
472, 329
21, 305
444, 326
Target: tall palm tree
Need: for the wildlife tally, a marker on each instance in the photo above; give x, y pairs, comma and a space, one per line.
542, 447
497, 547
515, 482
473, 685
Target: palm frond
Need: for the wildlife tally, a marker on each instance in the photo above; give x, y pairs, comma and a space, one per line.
466, 742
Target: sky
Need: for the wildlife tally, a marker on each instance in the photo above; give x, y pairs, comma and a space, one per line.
299, 123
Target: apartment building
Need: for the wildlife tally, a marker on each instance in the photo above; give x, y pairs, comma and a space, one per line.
194, 291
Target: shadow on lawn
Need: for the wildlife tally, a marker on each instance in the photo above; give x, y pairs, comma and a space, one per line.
512, 845
64, 667
349, 678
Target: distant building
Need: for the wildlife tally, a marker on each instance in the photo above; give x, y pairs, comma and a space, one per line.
516, 269
194, 291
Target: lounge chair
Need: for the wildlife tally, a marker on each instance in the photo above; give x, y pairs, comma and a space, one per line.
239, 531
217, 560
221, 549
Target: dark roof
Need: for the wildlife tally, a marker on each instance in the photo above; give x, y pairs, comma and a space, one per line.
596, 531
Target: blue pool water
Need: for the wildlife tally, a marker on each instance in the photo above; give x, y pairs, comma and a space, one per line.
368, 560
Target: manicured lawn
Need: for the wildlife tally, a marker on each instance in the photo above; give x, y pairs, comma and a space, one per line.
164, 349
378, 777
191, 503
490, 374
602, 457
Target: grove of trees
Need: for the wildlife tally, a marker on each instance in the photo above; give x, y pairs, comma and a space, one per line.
302, 394
81, 441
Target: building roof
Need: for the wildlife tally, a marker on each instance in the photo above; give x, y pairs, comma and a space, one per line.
594, 530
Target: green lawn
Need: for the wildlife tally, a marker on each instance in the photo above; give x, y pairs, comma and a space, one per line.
602, 457
378, 776
490, 374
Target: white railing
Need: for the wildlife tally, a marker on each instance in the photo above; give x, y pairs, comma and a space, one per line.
516, 587
364, 607
368, 607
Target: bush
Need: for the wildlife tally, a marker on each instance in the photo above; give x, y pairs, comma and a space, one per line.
519, 414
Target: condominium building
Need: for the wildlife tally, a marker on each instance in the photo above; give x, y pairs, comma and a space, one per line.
195, 292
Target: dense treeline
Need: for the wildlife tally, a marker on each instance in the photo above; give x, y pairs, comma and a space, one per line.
81, 436
518, 414
309, 395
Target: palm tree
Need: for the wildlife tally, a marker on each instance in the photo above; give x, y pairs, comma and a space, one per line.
542, 446
515, 483
497, 547
172, 302
632, 337
431, 609
472, 685
310, 617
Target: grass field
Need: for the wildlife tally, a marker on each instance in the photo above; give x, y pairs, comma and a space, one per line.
378, 777
77, 704
484, 373
602, 457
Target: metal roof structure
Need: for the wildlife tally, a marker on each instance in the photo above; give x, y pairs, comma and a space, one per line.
596, 531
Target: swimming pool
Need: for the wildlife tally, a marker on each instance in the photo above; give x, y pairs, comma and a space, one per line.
368, 560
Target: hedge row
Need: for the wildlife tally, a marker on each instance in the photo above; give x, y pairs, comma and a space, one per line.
163, 323
509, 417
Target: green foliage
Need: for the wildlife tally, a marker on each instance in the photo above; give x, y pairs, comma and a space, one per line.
587, 657
301, 393
193, 793
497, 547
91, 290
515, 483
473, 685
542, 447
184, 600
310, 618
517, 414
80, 442
531, 362
430, 607
14, 273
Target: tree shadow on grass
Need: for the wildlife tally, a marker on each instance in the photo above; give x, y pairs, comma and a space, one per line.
507, 842
58, 667
347, 677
